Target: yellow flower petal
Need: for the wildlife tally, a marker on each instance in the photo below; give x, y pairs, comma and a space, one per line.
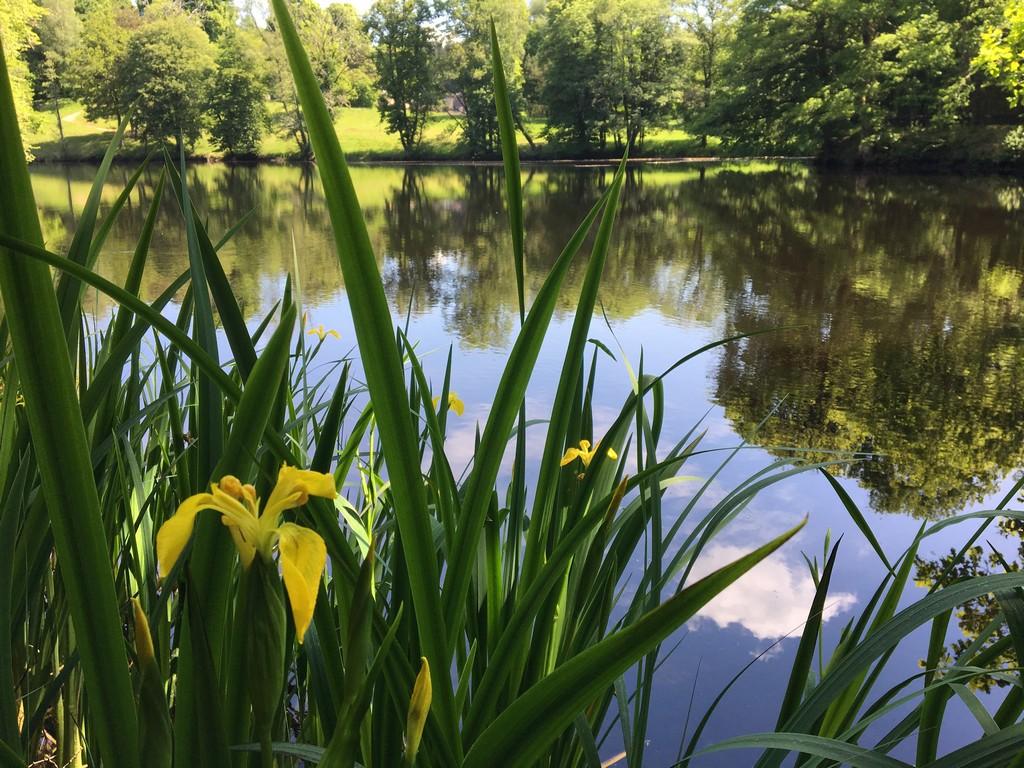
612, 454
455, 403
419, 708
246, 549
571, 454
174, 534
293, 489
322, 333
238, 517
143, 639
303, 557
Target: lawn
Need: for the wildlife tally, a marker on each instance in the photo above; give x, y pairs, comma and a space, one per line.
362, 135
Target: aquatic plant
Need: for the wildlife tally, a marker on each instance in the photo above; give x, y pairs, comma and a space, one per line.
433, 620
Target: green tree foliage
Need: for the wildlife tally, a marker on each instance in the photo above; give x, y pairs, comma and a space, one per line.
237, 96
329, 39
710, 25
643, 62
1001, 54
851, 79
405, 53
610, 69
60, 29
17, 33
98, 58
218, 16
166, 72
975, 616
468, 63
578, 111
357, 54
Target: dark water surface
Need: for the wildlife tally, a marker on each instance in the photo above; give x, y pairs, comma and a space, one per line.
899, 304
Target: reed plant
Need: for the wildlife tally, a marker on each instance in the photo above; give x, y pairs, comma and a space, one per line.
182, 584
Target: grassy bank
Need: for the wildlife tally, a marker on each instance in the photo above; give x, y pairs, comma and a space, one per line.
360, 129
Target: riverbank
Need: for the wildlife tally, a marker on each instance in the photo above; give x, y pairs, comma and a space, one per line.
980, 149
363, 137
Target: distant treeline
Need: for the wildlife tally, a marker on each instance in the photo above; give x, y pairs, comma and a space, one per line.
839, 79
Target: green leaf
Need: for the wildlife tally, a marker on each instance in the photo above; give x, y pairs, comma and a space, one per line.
383, 368
500, 420
523, 731
231, 317
547, 479
513, 176
833, 749
65, 466
858, 518
69, 289
801, 669
988, 751
881, 639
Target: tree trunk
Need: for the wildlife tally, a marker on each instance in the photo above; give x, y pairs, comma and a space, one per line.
60, 125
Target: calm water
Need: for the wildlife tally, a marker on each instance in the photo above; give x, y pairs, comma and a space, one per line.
898, 304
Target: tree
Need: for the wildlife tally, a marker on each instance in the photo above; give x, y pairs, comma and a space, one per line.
319, 36
710, 24
237, 97
611, 68
405, 54
469, 62
570, 55
217, 16
357, 53
852, 79
639, 75
97, 60
166, 73
1002, 50
17, 18
59, 31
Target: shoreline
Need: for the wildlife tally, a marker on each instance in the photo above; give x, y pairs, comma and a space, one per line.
903, 165
570, 162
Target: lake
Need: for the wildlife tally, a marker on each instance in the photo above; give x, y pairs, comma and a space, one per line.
893, 311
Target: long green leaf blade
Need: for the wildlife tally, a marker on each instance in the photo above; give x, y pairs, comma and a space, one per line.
59, 439
523, 731
383, 368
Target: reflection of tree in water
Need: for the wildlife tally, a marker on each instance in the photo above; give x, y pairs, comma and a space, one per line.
976, 615
451, 254
900, 297
908, 306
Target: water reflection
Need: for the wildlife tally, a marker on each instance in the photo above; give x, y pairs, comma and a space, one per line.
769, 602
897, 300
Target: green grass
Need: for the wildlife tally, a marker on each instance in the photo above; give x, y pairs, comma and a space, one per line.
359, 128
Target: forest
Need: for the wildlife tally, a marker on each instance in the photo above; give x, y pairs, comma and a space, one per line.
882, 81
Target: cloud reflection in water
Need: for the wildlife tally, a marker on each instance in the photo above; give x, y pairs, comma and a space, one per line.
770, 601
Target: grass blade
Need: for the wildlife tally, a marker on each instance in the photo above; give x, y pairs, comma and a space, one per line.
383, 367
523, 731
65, 467
513, 176
832, 749
881, 639
808, 641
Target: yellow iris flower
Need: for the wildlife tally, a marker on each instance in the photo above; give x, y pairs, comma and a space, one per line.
303, 554
321, 333
454, 403
584, 453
